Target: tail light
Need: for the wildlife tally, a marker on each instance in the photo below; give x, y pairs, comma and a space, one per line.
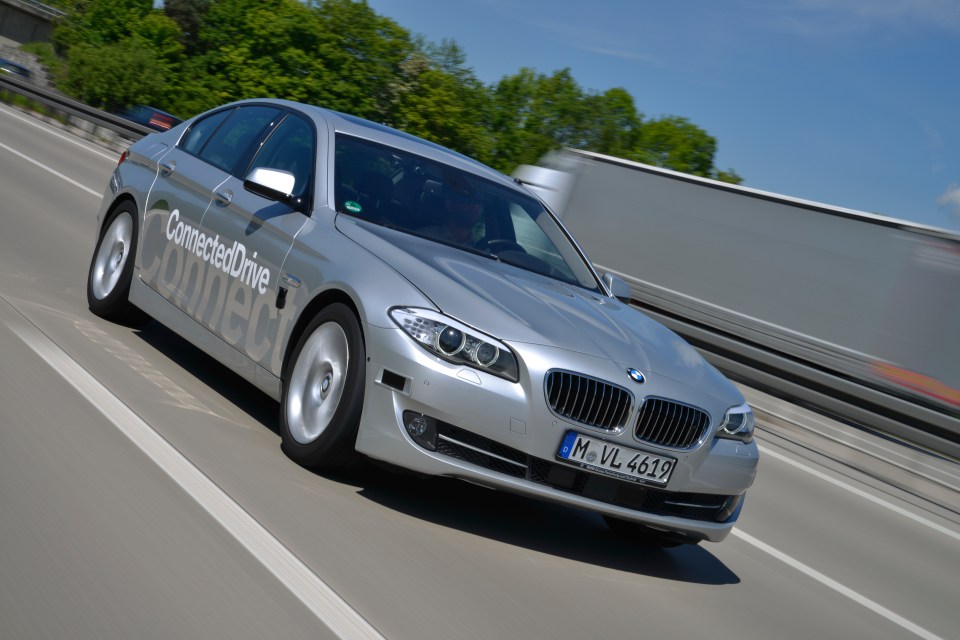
123, 156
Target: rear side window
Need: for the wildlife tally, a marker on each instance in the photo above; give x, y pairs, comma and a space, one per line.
231, 143
202, 130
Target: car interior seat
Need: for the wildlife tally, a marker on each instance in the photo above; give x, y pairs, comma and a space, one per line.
374, 193
431, 210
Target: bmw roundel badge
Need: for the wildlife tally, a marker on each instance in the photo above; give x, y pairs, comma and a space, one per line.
636, 375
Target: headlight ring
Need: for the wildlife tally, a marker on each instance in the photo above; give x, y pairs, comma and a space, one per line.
738, 424
456, 342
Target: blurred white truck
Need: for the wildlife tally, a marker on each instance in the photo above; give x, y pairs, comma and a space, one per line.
825, 295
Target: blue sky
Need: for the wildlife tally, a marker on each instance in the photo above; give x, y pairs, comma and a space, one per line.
854, 103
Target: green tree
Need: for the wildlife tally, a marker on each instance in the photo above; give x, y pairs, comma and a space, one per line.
117, 52
252, 49
614, 125
162, 36
448, 56
676, 143
98, 22
115, 75
192, 55
188, 15
363, 52
511, 110
729, 176
441, 100
337, 54
534, 113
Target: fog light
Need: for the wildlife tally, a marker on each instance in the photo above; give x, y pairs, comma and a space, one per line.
731, 508
417, 425
421, 428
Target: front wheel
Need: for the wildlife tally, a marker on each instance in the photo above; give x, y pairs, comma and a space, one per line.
111, 269
322, 395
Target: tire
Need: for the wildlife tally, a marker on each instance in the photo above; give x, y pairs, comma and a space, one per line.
647, 537
111, 268
323, 391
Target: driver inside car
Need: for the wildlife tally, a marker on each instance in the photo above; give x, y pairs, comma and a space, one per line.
463, 212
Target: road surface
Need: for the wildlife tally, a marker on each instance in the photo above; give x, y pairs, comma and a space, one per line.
143, 494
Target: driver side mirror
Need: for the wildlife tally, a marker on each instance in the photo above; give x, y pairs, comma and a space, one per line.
272, 184
617, 287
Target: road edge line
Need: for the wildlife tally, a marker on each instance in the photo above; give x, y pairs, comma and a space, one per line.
836, 586
329, 607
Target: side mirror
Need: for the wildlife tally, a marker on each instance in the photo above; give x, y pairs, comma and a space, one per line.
617, 287
272, 184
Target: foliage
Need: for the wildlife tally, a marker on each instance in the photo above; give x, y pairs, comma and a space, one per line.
98, 22
116, 75
363, 53
676, 143
439, 98
533, 113
191, 55
614, 127
251, 48
730, 176
46, 56
188, 15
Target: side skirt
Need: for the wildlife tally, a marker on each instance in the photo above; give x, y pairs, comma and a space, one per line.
167, 314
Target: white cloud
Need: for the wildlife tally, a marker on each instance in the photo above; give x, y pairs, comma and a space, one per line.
937, 12
811, 18
626, 54
606, 39
950, 200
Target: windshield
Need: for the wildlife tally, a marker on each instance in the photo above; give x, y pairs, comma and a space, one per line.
426, 198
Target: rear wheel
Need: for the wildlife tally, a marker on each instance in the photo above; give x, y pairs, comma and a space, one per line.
111, 269
647, 536
323, 392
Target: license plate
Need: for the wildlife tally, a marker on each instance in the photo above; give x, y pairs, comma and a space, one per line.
614, 460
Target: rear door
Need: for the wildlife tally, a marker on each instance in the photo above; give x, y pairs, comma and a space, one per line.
240, 296
179, 260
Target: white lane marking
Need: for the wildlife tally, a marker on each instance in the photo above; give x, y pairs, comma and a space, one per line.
308, 587
33, 123
839, 588
53, 171
863, 494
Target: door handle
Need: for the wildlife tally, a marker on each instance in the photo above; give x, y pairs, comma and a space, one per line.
166, 168
223, 198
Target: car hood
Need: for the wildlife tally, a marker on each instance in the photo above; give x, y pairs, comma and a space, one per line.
517, 306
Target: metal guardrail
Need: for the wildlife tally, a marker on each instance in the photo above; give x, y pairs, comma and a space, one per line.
70, 107
39, 7
841, 310
848, 399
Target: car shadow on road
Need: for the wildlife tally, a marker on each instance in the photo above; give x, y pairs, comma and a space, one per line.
515, 520
231, 386
556, 530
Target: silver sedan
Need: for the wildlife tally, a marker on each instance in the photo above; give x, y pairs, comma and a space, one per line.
405, 303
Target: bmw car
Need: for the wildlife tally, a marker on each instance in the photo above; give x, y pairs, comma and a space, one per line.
408, 305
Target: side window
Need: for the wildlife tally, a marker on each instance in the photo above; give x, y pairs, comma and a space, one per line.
201, 131
290, 147
231, 142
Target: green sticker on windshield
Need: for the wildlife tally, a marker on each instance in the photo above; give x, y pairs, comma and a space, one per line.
353, 207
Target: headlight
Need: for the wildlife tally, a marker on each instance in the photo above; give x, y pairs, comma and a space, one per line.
456, 342
737, 424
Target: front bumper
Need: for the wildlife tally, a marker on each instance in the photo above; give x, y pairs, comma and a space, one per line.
503, 435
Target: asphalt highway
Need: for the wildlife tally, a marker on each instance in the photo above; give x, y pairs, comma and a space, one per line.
143, 494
